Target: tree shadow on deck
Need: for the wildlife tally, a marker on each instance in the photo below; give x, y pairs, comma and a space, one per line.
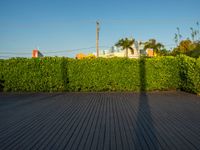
65, 78
144, 122
1, 85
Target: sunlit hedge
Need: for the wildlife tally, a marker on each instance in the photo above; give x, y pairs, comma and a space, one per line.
121, 74
115, 74
189, 74
22, 74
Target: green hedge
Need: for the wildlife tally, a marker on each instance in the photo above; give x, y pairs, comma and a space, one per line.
1, 75
115, 74
22, 74
121, 74
189, 74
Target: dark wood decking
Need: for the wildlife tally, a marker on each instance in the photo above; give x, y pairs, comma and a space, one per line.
90, 121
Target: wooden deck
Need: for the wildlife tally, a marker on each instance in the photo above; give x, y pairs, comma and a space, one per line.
97, 121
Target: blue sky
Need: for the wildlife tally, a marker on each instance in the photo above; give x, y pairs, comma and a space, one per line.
70, 24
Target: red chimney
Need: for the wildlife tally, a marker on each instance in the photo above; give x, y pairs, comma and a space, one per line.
35, 53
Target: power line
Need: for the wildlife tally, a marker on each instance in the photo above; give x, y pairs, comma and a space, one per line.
62, 51
45, 52
4, 56
51, 52
14, 53
67, 51
118, 21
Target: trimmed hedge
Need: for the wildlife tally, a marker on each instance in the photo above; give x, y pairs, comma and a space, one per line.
1, 75
189, 74
22, 74
121, 74
55, 74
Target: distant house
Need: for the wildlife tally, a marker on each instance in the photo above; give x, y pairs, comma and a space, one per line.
36, 53
149, 52
138, 48
81, 56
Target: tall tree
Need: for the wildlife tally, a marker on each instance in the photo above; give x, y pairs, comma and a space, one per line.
126, 44
176, 39
154, 45
184, 47
198, 37
193, 33
178, 36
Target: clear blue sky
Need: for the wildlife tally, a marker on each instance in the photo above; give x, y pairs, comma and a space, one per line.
57, 25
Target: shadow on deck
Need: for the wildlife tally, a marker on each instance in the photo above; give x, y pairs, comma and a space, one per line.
144, 121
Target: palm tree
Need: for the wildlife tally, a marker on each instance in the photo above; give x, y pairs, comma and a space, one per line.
179, 34
198, 37
176, 39
154, 45
126, 44
193, 33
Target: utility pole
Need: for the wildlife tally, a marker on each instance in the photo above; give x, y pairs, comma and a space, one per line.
97, 38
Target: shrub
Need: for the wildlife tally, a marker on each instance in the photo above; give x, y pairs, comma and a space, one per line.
189, 74
1, 75
197, 77
37, 74
162, 73
114, 74
54, 74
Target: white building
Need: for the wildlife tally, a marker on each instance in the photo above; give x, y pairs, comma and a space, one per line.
138, 48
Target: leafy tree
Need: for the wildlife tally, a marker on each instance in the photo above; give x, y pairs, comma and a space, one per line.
126, 44
184, 47
164, 52
195, 52
188, 47
154, 45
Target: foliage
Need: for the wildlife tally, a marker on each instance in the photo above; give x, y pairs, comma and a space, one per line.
64, 74
196, 77
162, 73
91, 56
195, 52
177, 36
1, 75
189, 74
164, 52
120, 74
56, 74
157, 47
188, 47
37, 74
184, 47
126, 44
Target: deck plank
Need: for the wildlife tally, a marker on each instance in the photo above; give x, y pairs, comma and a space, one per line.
109, 121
